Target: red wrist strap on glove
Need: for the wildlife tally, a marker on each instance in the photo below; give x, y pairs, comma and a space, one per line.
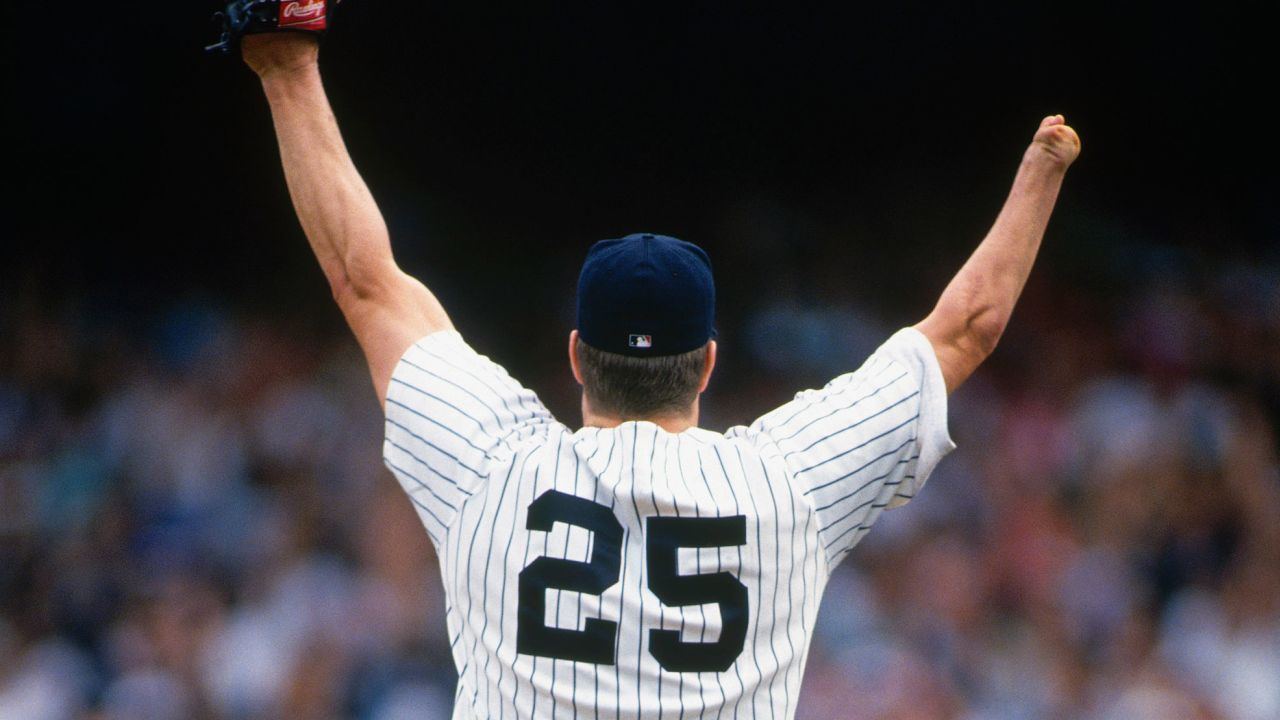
243, 17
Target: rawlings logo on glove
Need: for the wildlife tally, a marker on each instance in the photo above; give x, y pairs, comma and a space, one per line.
243, 17
302, 13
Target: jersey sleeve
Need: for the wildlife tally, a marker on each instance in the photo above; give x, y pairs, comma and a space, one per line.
865, 442
450, 414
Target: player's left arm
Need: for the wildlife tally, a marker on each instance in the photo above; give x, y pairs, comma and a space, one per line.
386, 309
973, 311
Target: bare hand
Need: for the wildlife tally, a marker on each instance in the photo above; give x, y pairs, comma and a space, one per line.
1055, 141
279, 52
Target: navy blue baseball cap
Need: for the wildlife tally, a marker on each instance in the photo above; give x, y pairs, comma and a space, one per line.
646, 295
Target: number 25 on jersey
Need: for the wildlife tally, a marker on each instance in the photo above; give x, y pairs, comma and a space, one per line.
664, 536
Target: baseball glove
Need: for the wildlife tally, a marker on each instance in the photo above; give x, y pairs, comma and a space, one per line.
242, 17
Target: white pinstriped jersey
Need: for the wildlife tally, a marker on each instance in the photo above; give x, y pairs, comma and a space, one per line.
635, 573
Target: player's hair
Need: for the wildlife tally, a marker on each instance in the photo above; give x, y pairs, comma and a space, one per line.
634, 387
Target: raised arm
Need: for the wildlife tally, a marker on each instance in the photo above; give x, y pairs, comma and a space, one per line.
973, 311
386, 309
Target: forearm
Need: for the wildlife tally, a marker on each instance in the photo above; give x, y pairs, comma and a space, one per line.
386, 309
338, 214
973, 311
986, 288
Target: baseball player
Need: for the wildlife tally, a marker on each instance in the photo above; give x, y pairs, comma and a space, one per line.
639, 567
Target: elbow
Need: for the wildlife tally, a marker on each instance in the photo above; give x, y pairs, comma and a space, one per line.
352, 292
971, 316
359, 280
983, 329
962, 338
341, 287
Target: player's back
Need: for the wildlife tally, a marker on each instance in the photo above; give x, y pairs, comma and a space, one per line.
630, 572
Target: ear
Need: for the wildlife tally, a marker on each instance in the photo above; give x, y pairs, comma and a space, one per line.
573, 356
711, 365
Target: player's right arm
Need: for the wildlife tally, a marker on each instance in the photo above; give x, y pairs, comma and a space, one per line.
973, 311
386, 309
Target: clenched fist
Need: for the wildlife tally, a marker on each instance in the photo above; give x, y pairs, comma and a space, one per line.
1054, 141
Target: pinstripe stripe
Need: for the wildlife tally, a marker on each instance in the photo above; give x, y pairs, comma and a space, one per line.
414, 498
859, 446
433, 446
724, 697
484, 593
421, 484
481, 403
653, 512
466, 591
788, 708
635, 505
758, 615
438, 399
697, 512
847, 428
500, 396
419, 459
502, 597
870, 503
882, 480
832, 389
777, 571
837, 410
555, 483
574, 693
442, 426
737, 510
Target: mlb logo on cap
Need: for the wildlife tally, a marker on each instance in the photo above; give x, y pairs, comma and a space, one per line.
647, 282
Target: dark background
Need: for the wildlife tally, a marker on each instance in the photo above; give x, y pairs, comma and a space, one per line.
875, 142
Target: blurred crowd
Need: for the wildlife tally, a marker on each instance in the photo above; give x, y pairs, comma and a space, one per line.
195, 523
